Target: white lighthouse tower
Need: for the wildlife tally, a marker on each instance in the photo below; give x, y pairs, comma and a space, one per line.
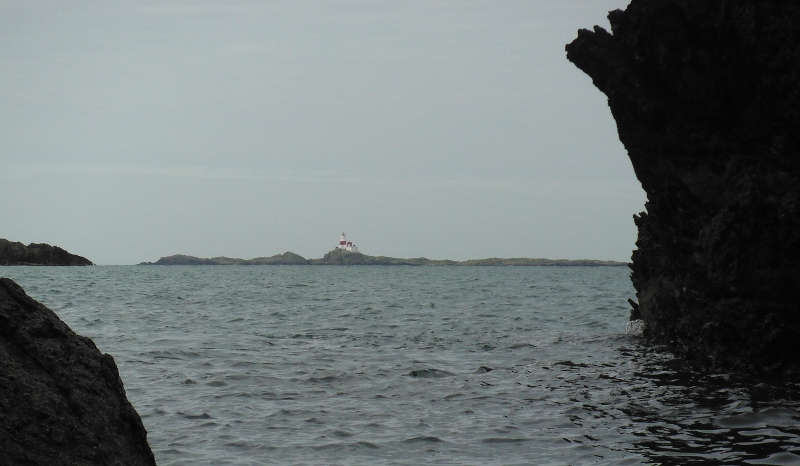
347, 246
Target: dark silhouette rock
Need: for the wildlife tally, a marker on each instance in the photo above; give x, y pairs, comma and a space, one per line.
61, 399
706, 96
13, 253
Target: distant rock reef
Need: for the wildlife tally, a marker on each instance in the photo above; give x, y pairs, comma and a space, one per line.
13, 253
61, 399
340, 257
706, 96
287, 258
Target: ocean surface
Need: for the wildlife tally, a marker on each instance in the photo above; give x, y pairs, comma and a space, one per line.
251, 365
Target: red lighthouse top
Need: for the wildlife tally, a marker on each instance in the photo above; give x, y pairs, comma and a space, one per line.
347, 246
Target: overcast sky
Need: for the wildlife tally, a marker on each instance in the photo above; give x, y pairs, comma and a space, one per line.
444, 129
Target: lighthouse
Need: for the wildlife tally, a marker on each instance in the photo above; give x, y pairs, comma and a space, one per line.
347, 246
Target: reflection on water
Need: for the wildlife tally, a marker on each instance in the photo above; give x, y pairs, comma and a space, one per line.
681, 417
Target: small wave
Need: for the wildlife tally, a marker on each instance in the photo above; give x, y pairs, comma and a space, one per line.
238, 444
161, 355
769, 417
570, 364
634, 327
424, 439
194, 416
324, 379
504, 440
521, 345
348, 446
779, 459
430, 373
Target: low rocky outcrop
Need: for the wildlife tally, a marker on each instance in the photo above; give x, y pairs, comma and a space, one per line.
340, 257
287, 258
61, 399
14, 253
706, 96
527, 262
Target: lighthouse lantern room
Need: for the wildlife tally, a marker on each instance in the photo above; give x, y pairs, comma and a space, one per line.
347, 246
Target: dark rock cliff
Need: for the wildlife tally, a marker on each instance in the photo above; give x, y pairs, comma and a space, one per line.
706, 96
13, 253
61, 400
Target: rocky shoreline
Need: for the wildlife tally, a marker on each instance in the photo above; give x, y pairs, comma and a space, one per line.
707, 104
15, 253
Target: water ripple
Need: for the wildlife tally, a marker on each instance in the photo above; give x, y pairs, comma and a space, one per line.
402, 365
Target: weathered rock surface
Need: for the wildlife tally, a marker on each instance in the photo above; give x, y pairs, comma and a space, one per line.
13, 253
706, 96
61, 400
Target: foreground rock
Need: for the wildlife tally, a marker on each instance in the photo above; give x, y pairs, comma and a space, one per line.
61, 400
13, 253
706, 96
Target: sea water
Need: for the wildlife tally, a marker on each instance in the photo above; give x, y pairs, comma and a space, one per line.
250, 365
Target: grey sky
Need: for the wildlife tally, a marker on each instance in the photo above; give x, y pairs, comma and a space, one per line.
445, 129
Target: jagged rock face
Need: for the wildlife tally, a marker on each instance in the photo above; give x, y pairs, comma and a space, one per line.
706, 96
61, 400
14, 253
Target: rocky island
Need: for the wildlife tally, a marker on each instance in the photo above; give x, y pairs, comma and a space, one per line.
342, 257
287, 258
14, 253
61, 399
706, 97
347, 253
